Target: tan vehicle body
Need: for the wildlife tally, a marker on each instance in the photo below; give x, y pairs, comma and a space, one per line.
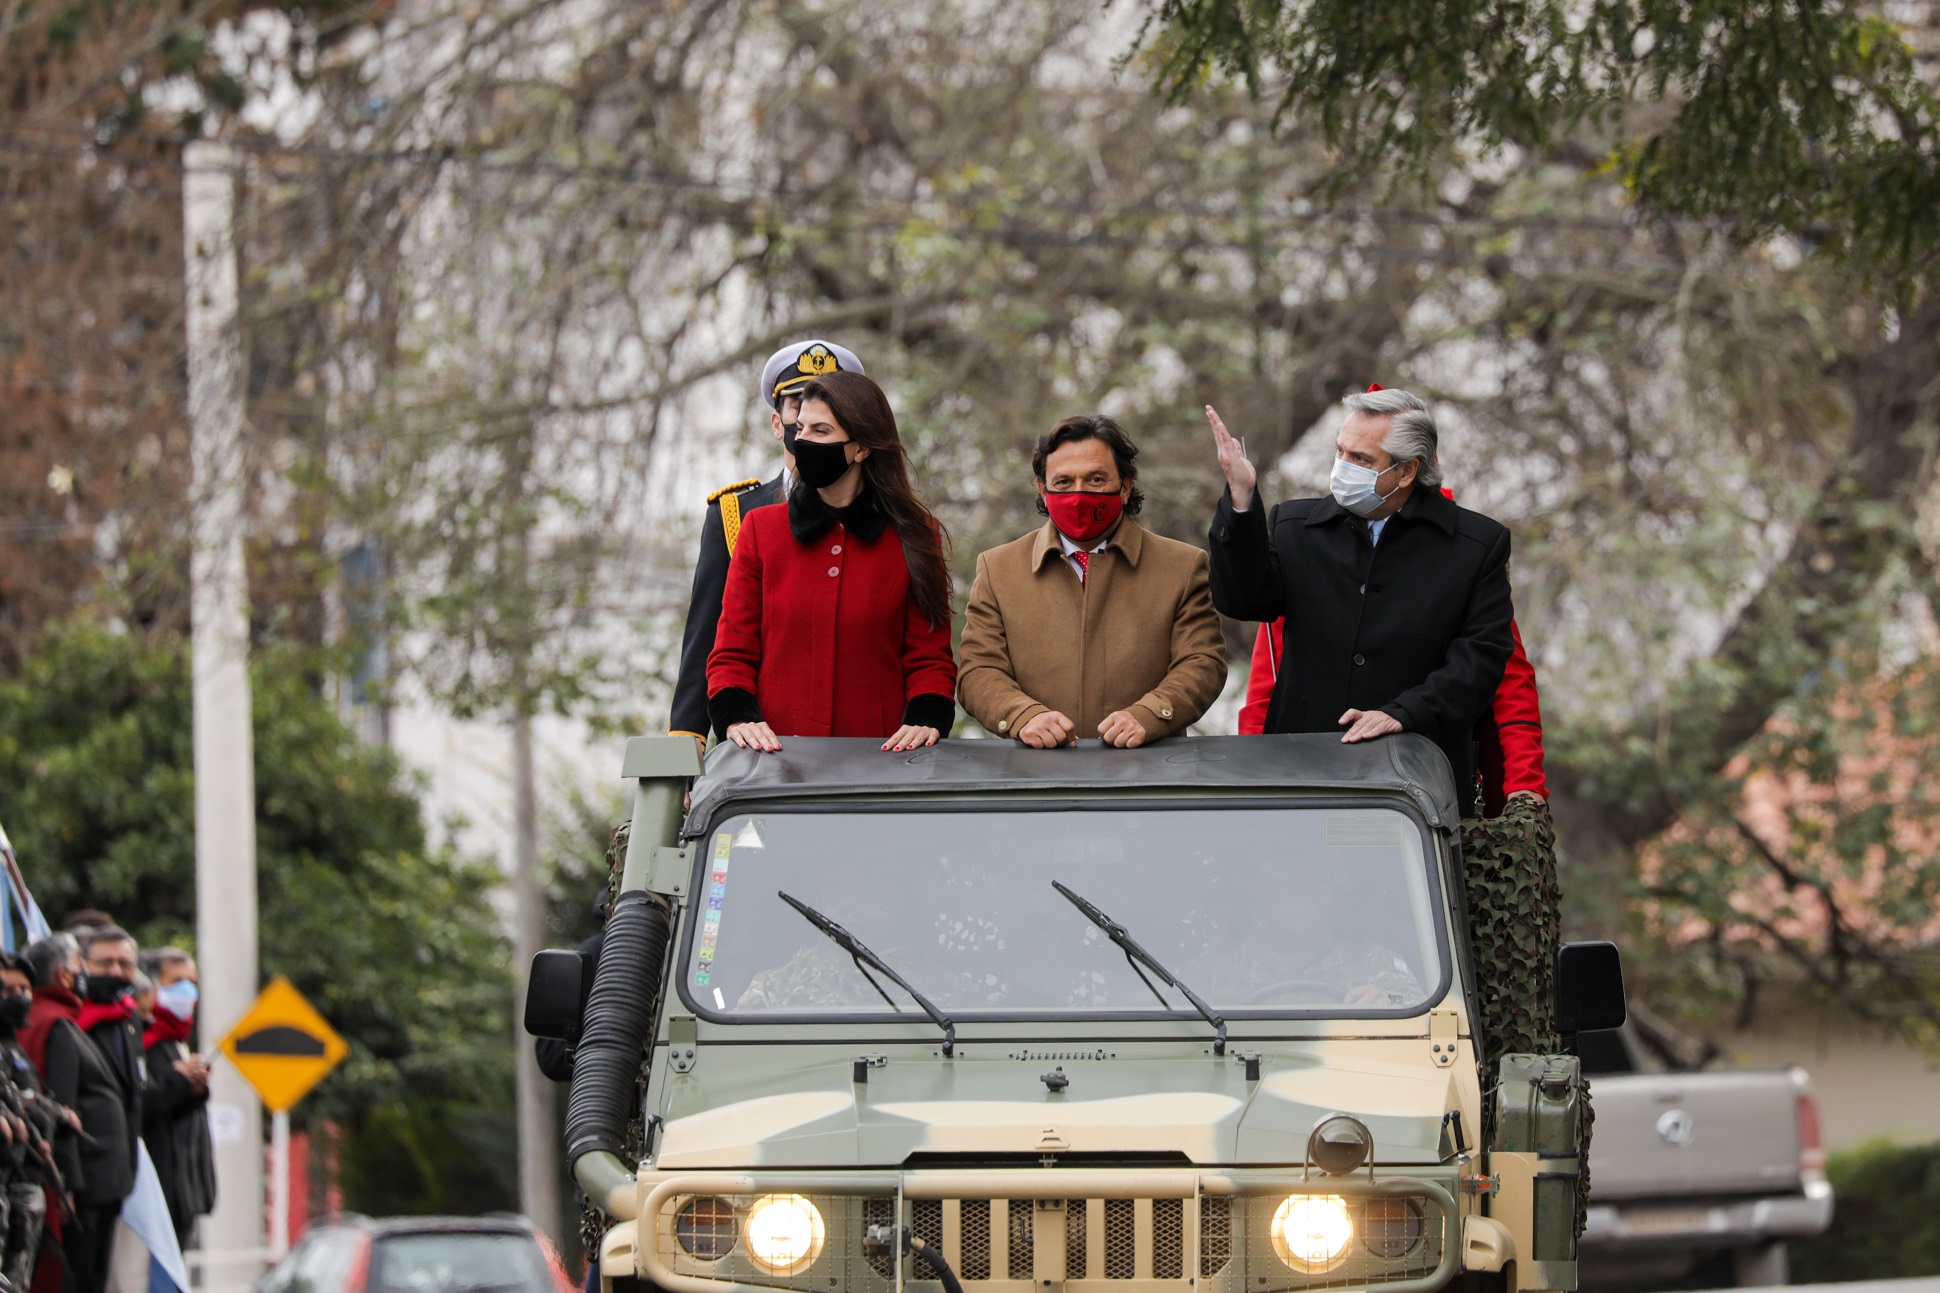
1047, 1151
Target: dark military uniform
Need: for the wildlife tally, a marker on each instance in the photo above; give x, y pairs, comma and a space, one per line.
725, 510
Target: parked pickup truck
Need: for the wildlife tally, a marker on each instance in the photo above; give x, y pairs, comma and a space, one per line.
1696, 1175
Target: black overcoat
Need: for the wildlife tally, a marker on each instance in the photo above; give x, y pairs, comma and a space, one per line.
175, 1127
1417, 626
704, 608
101, 1169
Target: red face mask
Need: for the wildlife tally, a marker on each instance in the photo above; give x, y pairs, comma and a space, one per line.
1083, 517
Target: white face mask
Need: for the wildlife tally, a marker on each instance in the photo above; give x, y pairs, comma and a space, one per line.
1353, 486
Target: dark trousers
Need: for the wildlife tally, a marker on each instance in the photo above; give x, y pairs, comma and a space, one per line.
88, 1243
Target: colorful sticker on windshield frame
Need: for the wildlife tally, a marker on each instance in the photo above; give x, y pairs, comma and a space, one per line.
711, 921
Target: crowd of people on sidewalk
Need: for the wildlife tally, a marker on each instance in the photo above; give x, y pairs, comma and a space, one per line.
95, 1063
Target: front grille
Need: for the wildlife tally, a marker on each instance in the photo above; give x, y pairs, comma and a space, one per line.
996, 1245
1168, 1238
975, 1243
1021, 1226
1215, 1235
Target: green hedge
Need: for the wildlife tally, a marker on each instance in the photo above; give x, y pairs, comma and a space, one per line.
1886, 1217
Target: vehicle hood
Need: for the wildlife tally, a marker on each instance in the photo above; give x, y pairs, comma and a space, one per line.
1203, 1108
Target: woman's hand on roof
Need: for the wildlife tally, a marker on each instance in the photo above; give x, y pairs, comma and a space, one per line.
754, 736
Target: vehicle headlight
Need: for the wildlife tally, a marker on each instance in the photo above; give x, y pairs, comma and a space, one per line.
1339, 1144
1311, 1232
706, 1228
1391, 1227
785, 1233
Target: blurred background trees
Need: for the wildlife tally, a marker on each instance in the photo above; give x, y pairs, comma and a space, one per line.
508, 272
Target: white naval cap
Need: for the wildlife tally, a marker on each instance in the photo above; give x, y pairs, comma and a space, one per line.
799, 363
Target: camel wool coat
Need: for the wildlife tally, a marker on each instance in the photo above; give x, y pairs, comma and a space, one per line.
1139, 633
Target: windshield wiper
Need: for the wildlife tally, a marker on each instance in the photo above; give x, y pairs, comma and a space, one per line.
859, 952
1134, 954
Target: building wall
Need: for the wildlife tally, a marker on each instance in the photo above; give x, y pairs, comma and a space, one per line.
1868, 1083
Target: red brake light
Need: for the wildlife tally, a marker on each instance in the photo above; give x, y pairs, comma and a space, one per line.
554, 1264
1811, 1144
359, 1277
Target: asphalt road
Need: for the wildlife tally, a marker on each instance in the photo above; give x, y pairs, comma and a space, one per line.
1865, 1286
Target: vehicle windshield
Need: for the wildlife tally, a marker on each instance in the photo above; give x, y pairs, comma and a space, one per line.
1308, 910
459, 1262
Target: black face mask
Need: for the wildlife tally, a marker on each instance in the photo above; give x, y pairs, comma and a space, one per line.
13, 1011
106, 989
819, 463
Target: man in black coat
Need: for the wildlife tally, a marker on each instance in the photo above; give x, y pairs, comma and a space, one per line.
100, 1168
786, 372
1396, 600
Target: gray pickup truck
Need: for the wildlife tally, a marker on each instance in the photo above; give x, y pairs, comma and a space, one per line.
1697, 1178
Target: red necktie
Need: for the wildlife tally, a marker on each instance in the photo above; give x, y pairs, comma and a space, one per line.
1084, 564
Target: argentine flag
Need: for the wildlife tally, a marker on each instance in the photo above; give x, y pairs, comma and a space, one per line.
146, 1258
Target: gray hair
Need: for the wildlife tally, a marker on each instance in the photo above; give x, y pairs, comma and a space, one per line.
153, 963
106, 934
55, 952
1411, 430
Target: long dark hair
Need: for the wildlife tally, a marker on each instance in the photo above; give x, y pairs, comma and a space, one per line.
863, 411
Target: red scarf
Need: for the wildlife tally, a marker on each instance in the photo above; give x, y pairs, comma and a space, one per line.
165, 1027
94, 1014
51, 1005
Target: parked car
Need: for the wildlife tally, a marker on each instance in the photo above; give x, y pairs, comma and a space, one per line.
1698, 1178
352, 1254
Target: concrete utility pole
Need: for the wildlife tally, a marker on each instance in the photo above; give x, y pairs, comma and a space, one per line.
225, 772
538, 1132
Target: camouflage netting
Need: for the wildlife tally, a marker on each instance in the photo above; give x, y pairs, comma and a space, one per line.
1514, 907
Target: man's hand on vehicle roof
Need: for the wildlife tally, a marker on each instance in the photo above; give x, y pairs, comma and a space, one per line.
1122, 730
1048, 730
1367, 724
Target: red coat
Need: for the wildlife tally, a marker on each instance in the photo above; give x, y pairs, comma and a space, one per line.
825, 634
1512, 743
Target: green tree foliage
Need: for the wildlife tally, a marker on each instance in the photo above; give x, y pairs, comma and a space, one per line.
393, 939
1791, 116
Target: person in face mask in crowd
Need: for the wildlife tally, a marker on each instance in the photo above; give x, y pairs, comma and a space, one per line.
99, 1165
175, 1117
1091, 625
34, 1121
1396, 601
836, 618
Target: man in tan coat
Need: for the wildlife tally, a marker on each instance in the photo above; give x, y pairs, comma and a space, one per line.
1092, 625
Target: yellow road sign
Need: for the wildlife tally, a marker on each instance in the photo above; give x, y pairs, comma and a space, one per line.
283, 1046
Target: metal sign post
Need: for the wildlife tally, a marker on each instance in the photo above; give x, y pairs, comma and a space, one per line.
283, 1047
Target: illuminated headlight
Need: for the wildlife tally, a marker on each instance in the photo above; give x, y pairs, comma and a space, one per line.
784, 1233
1311, 1232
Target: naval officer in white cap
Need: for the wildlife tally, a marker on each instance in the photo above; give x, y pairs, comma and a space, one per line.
782, 378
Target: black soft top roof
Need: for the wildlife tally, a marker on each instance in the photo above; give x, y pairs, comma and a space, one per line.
816, 767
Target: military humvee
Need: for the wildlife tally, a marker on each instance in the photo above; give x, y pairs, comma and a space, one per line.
1198, 1016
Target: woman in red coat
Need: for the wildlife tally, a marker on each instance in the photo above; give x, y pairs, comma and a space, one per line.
836, 617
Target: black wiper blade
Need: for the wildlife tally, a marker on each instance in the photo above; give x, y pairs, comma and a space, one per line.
1135, 954
859, 952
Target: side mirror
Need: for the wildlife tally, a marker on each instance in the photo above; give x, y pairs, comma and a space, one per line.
555, 994
1589, 988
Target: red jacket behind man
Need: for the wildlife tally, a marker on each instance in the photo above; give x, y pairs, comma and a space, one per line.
825, 634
